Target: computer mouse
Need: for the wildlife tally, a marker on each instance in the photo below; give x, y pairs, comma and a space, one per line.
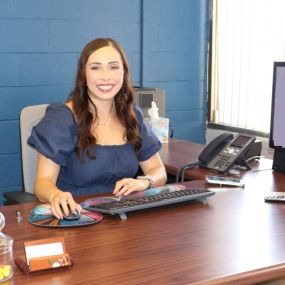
72, 216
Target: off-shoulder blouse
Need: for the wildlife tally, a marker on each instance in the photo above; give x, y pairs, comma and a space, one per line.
56, 137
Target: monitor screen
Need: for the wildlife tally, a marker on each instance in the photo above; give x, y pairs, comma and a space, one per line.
277, 126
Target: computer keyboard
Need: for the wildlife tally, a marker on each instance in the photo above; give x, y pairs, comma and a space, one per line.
154, 197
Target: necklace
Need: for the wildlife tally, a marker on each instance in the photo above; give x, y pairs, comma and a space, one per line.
104, 123
107, 122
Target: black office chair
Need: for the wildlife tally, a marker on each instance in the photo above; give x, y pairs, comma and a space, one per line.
29, 117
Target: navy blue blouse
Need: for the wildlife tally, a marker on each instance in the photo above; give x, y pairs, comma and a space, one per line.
56, 137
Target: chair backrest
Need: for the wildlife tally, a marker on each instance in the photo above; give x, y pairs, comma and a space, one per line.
29, 117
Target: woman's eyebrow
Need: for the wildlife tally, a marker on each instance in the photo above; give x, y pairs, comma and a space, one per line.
111, 62
100, 63
95, 62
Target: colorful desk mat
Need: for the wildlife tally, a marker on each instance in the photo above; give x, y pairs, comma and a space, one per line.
42, 216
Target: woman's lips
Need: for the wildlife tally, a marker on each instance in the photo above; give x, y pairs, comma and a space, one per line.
105, 87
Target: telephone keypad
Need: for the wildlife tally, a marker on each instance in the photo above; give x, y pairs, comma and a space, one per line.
225, 158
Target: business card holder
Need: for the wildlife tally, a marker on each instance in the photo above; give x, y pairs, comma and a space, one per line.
52, 255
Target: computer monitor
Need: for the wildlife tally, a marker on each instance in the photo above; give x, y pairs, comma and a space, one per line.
277, 126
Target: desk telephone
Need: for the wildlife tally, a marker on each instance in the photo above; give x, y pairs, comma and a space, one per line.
225, 151
221, 154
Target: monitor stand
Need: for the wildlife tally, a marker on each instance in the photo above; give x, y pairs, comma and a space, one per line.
279, 161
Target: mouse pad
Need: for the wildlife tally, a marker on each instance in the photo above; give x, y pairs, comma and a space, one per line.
42, 216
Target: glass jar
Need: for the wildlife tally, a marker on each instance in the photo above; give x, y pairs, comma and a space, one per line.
6, 253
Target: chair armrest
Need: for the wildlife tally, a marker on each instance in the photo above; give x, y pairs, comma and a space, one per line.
19, 197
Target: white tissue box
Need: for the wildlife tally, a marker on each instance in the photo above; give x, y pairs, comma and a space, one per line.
160, 128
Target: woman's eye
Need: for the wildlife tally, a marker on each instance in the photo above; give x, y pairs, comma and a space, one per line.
95, 68
114, 67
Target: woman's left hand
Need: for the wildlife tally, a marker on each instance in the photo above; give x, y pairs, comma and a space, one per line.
128, 185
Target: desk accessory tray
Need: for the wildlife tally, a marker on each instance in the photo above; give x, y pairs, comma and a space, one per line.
42, 216
153, 197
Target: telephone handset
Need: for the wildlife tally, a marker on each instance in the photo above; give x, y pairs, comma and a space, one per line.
215, 146
225, 151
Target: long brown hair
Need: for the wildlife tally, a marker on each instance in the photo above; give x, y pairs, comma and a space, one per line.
123, 101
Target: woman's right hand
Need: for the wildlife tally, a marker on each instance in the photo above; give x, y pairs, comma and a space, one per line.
47, 191
63, 202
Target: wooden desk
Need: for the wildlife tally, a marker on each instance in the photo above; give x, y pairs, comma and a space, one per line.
234, 236
177, 153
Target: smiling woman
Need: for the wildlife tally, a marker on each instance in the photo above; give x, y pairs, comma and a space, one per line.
104, 75
98, 139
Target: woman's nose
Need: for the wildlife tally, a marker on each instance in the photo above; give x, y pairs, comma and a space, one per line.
105, 74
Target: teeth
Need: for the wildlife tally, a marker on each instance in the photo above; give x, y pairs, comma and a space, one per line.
105, 87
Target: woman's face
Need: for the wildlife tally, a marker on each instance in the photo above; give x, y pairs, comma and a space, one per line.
104, 73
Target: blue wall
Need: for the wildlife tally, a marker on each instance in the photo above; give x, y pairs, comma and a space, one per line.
165, 40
